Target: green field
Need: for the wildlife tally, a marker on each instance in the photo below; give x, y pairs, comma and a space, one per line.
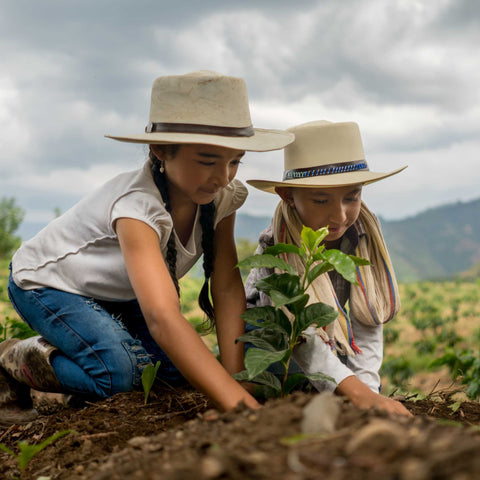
436, 317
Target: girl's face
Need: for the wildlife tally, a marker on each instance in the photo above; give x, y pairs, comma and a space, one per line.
198, 172
335, 207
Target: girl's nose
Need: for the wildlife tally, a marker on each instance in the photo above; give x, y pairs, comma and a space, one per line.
338, 214
221, 176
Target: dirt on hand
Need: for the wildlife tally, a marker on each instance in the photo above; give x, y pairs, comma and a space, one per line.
178, 435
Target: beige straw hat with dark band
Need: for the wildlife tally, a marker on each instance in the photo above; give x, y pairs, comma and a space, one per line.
324, 154
207, 108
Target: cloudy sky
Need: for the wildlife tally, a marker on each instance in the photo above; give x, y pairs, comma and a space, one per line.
408, 71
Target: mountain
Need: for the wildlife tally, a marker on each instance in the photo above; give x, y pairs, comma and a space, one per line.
472, 274
250, 226
438, 243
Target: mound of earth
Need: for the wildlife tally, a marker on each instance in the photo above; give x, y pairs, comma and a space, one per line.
178, 435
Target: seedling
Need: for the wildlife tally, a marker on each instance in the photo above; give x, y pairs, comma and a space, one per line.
28, 451
148, 377
275, 335
464, 364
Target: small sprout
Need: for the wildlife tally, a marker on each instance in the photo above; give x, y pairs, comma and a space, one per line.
456, 405
148, 377
28, 451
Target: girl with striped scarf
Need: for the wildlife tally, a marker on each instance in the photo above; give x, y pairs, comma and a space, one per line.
325, 170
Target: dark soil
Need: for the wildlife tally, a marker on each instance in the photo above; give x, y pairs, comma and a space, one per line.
178, 435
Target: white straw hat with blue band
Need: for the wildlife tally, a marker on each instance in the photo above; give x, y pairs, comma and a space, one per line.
324, 154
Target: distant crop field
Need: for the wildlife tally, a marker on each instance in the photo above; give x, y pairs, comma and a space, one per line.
437, 318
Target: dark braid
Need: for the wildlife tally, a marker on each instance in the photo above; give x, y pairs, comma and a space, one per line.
207, 215
160, 180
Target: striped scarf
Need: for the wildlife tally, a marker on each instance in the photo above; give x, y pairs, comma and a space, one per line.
375, 300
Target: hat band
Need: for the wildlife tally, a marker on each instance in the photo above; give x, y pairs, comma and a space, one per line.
328, 169
202, 129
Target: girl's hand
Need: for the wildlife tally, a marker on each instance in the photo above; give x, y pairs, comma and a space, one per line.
362, 397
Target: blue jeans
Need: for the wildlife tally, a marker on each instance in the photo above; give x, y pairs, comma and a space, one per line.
104, 346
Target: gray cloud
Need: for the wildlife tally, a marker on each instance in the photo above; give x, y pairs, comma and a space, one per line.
408, 71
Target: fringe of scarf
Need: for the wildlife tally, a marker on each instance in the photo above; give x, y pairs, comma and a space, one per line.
374, 301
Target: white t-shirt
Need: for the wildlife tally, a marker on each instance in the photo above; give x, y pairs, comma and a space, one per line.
79, 251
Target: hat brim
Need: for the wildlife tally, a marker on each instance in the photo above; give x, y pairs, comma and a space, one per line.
262, 141
335, 180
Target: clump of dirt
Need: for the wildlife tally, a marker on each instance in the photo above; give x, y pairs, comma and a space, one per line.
178, 435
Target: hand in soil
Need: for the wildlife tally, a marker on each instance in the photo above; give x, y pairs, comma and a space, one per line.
362, 397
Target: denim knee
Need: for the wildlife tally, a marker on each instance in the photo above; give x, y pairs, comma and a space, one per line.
124, 374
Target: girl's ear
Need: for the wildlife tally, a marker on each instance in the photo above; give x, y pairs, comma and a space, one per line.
286, 195
158, 151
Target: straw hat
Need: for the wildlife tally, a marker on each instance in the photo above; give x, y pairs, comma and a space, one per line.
324, 154
208, 108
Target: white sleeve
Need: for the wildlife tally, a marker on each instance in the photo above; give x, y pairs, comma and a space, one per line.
314, 356
230, 199
366, 365
142, 206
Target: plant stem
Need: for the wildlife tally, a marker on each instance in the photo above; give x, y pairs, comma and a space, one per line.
285, 375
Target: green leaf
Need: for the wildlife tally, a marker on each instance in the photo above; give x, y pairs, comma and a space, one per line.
6, 449
267, 385
268, 261
27, 451
319, 314
308, 237
241, 376
298, 302
269, 380
319, 254
312, 238
296, 439
280, 248
456, 405
257, 361
359, 260
267, 317
264, 391
148, 377
266, 338
288, 285
343, 264
265, 378
292, 381
318, 270
259, 316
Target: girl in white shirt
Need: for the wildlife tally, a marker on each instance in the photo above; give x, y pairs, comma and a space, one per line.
100, 283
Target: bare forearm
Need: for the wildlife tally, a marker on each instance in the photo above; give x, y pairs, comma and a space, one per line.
149, 275
229, 327
228, 297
